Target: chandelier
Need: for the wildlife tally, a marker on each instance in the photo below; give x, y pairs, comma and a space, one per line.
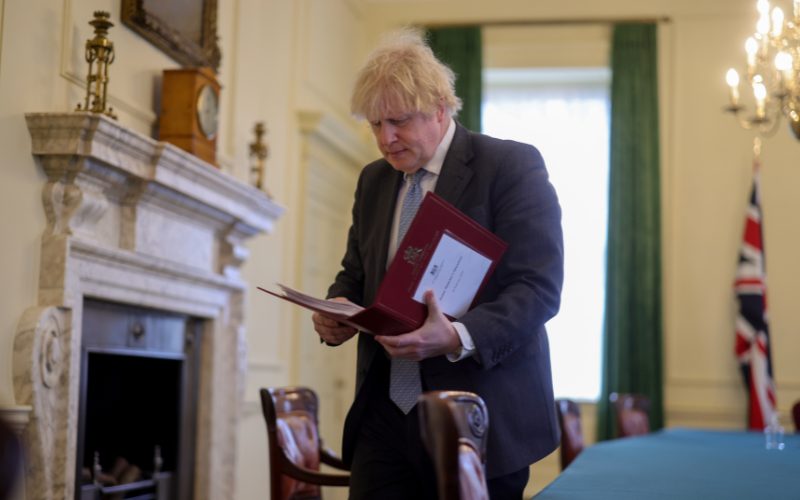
772, 72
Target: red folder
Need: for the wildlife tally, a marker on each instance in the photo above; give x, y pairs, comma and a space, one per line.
437, 227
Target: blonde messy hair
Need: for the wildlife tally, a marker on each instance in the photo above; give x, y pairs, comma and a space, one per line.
403, 74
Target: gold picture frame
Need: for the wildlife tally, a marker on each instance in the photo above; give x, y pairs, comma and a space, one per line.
186, 30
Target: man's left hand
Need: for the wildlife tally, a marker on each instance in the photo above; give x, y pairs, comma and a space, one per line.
437, 336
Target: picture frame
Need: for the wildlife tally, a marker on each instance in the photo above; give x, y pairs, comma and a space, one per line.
186, 30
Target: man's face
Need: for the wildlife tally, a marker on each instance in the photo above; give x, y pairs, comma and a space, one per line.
408, 140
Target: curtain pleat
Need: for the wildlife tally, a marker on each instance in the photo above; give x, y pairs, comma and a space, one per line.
461, 48
632, 342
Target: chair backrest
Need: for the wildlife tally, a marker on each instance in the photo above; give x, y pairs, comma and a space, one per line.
295, 449
454, 427
632, 413
796, 416
569, 416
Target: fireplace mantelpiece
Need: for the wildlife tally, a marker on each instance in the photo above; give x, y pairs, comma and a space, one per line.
134, 221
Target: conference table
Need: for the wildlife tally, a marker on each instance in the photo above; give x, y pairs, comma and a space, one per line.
682, 464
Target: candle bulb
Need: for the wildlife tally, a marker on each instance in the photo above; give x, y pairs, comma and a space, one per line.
762, 6
760, 93
732, 78
762, 26
751, 47
762, 34
784, 64
777, 22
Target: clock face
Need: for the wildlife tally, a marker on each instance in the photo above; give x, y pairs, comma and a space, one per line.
207, 111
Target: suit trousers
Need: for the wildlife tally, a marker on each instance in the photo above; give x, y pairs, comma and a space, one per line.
390, 460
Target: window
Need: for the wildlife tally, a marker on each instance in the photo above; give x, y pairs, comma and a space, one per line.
565, 114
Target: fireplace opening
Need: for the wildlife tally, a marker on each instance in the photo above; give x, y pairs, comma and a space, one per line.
139, 379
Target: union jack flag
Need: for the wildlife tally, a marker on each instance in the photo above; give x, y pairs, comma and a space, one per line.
752, 330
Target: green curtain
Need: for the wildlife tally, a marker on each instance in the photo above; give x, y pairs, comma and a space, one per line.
461, 48
632, 343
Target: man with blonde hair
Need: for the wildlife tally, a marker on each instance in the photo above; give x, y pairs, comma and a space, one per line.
499, 348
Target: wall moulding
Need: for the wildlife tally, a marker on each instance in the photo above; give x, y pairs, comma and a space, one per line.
337, 136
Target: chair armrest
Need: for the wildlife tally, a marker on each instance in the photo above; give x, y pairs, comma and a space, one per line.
301, 473
329, 457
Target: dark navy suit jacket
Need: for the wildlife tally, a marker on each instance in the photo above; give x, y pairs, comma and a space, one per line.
504, 186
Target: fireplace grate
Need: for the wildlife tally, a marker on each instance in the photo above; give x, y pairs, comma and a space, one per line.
138, 396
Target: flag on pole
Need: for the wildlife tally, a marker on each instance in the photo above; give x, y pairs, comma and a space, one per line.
752, 330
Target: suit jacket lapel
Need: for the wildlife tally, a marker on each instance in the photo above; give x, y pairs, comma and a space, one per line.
453, 178
455, 173
385, 197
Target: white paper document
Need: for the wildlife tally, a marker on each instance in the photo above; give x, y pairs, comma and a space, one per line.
345, 309
454, 273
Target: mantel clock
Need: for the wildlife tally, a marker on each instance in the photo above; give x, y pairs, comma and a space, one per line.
190, 111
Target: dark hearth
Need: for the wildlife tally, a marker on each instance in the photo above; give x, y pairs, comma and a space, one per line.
138, 403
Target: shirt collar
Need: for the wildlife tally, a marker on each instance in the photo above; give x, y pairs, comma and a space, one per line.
434, 166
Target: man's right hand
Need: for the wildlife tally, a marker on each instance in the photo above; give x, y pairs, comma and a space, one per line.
330, 330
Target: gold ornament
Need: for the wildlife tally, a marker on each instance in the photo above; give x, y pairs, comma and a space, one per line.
259, 152
99, 50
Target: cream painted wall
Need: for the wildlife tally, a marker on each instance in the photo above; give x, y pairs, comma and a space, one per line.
284, 57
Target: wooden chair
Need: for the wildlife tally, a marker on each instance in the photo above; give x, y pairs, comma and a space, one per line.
454, 426
796, 416
295, 448
569, 417
632, 413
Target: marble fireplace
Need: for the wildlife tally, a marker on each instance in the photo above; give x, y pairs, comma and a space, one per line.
136, 222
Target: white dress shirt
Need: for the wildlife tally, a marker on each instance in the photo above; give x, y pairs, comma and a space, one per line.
428, 183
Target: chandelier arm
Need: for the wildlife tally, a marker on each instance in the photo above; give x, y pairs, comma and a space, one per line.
773, 72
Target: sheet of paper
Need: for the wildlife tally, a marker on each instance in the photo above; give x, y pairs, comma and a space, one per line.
454, 273
345, 309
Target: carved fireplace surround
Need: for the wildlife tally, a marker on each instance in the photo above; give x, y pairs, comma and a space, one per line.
140, 222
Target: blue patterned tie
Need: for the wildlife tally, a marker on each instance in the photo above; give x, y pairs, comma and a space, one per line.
405, 384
